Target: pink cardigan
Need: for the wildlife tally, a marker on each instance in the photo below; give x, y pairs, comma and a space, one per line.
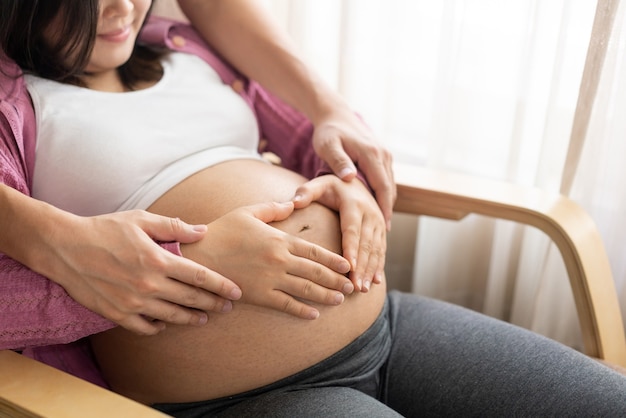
36, 315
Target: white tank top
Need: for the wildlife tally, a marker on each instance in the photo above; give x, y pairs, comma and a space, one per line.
100, 152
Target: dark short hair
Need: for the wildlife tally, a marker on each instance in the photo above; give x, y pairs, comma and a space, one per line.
23, 39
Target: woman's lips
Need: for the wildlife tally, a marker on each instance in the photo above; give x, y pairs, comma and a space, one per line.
119, 35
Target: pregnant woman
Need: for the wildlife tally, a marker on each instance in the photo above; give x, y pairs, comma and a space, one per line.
156, 125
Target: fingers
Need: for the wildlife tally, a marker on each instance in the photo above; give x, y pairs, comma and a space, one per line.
320, 189
351, 242
163, 228
364, 245
142, 326
200, 277
153, 301
127, 316
286, 298
328, 280
371, 259
320, 275
311, 292
318, 264
157, 303
271, 212
186, 299
156, 317
182, 297
332, 151
368, 246
285, 303
310, 191
378, 170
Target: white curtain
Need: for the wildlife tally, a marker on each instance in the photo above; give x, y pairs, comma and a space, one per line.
486, 87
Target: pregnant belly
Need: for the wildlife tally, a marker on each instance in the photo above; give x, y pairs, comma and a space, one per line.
250, 346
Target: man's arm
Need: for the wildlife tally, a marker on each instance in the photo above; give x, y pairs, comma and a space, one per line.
243, 32
109, 264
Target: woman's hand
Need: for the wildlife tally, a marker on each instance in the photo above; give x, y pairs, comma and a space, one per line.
342, 139
364, 237
274, 269
111, 265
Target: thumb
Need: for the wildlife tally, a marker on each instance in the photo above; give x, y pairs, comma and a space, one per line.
309, 192
163, 228
339, 161
271, 212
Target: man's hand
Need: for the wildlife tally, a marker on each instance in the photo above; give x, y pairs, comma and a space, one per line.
342, 139
112, 265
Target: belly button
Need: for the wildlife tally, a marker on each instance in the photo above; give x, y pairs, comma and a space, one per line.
305, 228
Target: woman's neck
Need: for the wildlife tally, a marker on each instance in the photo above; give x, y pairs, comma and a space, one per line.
110, 81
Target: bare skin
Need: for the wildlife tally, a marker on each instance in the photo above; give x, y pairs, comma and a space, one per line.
250, 346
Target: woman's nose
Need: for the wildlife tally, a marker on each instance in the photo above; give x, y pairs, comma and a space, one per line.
116, 8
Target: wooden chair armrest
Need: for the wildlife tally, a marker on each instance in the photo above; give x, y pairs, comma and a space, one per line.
29, 389
453, 196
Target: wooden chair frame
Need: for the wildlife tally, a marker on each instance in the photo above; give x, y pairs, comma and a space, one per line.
32, 389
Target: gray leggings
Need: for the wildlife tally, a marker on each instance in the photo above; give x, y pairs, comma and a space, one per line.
428, 358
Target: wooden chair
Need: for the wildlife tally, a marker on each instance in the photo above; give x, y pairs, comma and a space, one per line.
32, 389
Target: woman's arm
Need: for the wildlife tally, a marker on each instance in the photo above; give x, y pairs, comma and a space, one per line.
247, 37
